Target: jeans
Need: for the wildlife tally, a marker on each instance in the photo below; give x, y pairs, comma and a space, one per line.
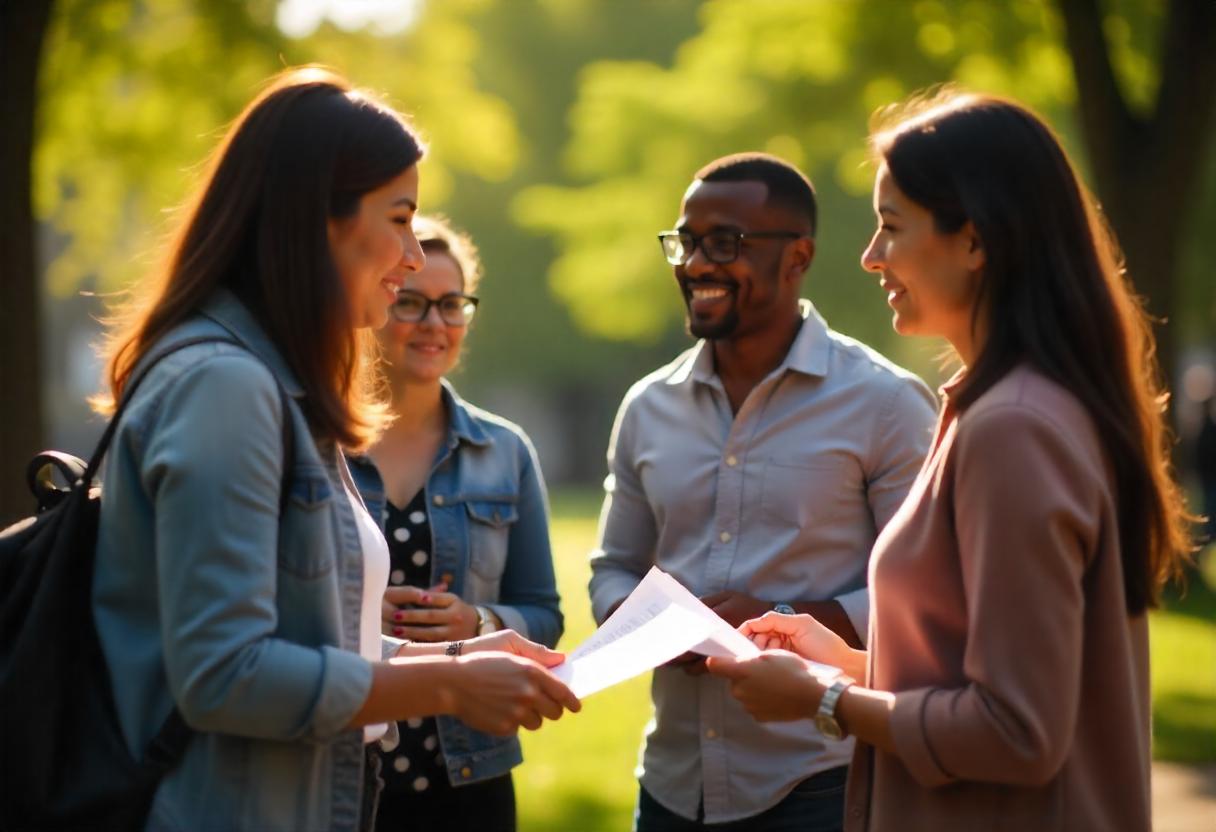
815, 805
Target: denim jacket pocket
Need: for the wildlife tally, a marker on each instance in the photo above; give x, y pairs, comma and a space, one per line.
306, 547
490, 524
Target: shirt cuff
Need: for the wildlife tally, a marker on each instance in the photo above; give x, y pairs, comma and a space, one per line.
609, 590
911, 741
345, 685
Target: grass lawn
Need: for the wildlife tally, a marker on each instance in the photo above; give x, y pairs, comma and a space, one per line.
578, 773
1183, 637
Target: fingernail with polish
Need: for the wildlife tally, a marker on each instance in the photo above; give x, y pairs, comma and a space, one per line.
398, 616
426, 599
398, 631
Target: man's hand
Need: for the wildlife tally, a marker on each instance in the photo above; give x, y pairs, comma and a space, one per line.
734, 608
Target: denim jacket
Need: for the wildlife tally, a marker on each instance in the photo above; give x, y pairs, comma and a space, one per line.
488, 512
205, 598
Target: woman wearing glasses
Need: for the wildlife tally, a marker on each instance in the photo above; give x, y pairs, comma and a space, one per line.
464, 512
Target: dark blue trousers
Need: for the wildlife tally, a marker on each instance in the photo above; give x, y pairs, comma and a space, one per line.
815, 805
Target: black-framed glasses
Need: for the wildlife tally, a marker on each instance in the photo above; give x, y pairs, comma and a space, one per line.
455, 309
719, 246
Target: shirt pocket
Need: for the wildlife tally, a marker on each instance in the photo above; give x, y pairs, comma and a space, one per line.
490, 524
801, 492
307, 545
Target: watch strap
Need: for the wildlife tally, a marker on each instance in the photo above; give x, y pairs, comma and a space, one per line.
825, 717
486, 622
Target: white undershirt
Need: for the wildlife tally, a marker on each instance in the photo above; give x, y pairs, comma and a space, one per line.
375, 581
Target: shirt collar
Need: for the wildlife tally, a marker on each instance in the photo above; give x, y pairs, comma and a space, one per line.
461, 424
228, 311
808, 354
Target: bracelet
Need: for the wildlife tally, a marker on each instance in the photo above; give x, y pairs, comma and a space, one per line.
454, 648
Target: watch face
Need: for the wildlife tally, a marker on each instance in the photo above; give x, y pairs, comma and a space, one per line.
828, 727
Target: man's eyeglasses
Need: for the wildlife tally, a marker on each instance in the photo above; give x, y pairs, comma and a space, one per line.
454, 309
719, 247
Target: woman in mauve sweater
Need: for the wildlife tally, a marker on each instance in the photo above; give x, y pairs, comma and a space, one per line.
1006, 681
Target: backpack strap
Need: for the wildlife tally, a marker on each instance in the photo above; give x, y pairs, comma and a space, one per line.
167, 747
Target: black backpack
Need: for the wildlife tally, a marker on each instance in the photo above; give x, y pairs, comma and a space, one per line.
63, 761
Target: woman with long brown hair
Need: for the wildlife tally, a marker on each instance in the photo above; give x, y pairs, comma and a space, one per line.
244, 597
1006, 681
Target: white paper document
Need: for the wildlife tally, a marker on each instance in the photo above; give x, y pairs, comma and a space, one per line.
657, 622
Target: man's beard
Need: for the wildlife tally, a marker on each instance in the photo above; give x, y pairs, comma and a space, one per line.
714, 330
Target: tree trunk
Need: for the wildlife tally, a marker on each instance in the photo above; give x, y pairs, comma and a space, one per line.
1146, 167
22, 26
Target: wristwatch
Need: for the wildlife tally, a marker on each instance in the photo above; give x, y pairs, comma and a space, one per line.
825, 717
784, 608
486, 623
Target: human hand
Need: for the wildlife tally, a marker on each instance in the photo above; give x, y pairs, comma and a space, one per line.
509, 641
774, 686
801, 634
691, 663
735, 607
427, 614
498, 693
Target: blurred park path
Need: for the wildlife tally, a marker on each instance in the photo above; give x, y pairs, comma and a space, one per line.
1184, 797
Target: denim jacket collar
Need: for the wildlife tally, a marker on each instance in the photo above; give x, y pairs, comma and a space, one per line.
228, 311
462, 427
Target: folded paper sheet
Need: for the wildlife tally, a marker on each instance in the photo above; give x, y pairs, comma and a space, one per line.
657, 622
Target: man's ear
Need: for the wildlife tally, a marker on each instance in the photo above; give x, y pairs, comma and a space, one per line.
798, 258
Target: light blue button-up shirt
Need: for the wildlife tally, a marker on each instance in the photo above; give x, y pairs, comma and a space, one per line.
781, 501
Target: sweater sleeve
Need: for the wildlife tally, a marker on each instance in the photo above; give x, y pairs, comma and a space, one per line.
1027, 510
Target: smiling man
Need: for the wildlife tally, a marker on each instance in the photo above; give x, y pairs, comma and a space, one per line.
757, 469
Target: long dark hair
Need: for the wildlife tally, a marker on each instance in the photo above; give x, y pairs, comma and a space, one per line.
1053, 294
304, 151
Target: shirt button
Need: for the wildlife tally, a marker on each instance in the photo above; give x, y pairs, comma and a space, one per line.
466, 772
732, 461
711, 733
724, 537
438, 500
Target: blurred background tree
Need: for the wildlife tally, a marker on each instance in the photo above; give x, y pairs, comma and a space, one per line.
563, 133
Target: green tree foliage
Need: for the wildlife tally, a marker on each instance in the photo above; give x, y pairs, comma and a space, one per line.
611, 105
799, 78
133, 96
